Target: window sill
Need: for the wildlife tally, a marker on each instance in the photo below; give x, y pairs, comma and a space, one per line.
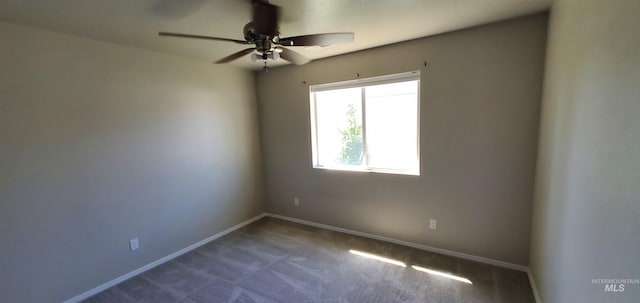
370, 170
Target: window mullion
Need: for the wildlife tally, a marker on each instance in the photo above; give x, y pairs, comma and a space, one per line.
365, 152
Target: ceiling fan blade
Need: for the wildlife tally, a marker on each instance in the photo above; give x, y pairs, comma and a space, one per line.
178, 35
265, 18
293, 56
318, 39
235, 55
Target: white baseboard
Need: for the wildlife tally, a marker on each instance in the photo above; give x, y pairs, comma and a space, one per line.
405, 243
155, 263
534, 288
191, 247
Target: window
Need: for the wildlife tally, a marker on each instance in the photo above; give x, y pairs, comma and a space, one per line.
367, 124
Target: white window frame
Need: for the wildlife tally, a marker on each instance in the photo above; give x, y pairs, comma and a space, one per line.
362, 83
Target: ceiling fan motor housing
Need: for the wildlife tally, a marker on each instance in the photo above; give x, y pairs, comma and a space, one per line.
263, 45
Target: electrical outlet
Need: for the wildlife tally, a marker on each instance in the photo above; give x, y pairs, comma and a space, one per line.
134, 244
433, 224
296, 201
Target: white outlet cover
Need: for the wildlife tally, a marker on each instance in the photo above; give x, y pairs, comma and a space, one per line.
134, 244
296, 201
433, 224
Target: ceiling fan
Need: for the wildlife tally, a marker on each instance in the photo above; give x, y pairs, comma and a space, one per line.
263, 32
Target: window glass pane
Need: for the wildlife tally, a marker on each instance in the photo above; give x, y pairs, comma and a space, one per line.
339, 127
382, 139
392, 125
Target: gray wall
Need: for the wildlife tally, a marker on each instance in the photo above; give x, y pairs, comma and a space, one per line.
479, 126
103, 143
586, 222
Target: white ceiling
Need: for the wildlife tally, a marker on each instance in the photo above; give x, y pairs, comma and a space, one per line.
374, 22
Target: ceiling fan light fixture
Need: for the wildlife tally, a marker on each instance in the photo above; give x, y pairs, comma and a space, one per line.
274, 56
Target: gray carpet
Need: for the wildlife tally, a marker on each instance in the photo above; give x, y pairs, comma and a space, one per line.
277, 261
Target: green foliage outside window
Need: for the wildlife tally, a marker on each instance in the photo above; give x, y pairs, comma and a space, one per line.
351, 153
